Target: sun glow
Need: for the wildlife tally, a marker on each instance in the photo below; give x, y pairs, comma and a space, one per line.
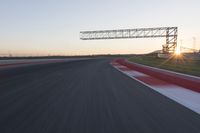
178, 51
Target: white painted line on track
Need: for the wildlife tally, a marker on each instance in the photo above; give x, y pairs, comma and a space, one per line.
186, 97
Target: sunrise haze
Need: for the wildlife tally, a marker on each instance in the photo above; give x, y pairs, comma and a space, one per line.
51, 27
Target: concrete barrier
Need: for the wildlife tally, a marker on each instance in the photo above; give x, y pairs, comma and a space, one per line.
186, 81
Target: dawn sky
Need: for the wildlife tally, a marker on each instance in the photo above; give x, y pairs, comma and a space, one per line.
51, 27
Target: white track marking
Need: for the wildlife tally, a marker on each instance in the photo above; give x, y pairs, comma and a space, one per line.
186, 97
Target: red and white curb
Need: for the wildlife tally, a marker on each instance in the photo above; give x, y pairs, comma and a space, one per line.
184, 96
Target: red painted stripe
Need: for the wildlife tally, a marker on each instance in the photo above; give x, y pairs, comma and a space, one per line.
26, 63
13, 64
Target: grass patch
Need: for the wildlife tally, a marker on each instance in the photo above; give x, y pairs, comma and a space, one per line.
177, 64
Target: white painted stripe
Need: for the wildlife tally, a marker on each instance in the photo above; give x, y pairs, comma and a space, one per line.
121, 67
186, 97
115, 64
135, 73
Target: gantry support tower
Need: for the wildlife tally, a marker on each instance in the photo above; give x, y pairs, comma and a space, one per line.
170, 33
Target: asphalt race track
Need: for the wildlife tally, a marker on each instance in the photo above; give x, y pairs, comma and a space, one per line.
88, 96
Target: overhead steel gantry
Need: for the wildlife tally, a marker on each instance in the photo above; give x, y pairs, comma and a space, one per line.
169, 32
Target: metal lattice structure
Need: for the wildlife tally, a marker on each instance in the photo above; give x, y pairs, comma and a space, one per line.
170, 33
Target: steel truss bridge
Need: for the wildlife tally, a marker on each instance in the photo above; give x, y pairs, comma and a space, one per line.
170, 33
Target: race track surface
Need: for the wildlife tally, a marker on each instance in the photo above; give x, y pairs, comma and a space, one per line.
88, 96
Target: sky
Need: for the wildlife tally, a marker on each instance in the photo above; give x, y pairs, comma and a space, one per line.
51, 27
